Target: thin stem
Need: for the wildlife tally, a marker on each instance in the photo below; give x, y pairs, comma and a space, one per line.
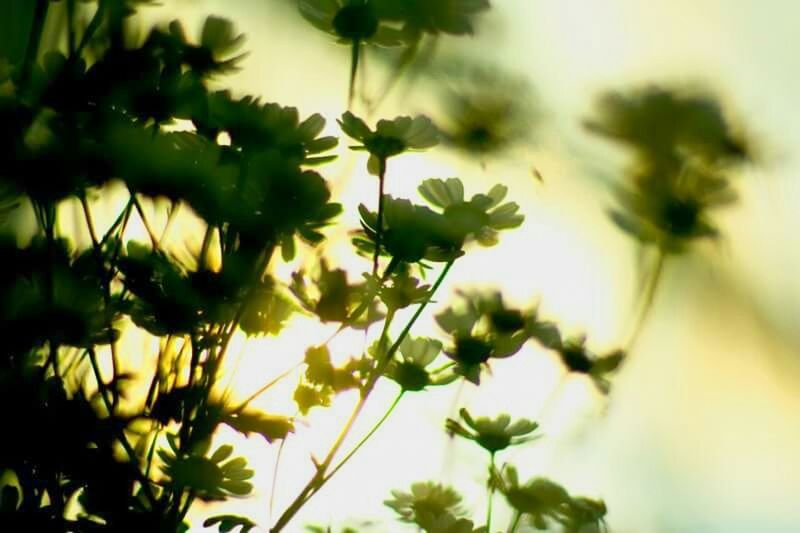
379, 224
147, 226
319, 478
490, 495
94, 24
261, 390
647, 302
366, 437
34, 39
275, 471
354, 54
512, 528
143, 480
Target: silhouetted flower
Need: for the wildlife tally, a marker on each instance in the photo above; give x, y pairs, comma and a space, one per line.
486, 112
584, 515
432, 16
390, 137
480, 218
254, 126
409, 369
495, 434
218, 41
402, 290
577, 358
332, 298
411, 233
209, 477
425, 503
541, 499
350, 21
683, 146
482, 328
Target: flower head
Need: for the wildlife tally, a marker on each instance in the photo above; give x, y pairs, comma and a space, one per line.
482, 328
495, 434
432, 16
211, 478
410, 234
577, 358
541, 499
350, 21
425, 503
479, 218
409, 370
390, 137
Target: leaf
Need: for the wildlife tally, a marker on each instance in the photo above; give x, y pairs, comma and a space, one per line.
229, 522
270, 427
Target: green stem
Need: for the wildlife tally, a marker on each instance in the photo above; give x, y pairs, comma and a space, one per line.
379, 224
94, 24
147, 226
143, 480
513, 527
491, 494
647, 302
366, 437
354, 54
319, 478
34, 39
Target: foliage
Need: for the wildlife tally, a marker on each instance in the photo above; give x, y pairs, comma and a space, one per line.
95, 451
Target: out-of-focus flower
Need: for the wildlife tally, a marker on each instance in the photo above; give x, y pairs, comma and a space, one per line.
350, 21
454, 17
425, 503
390, 137
409, 369
490, 434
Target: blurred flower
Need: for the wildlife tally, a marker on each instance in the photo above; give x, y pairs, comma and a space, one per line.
492, 435
350, 21
390, 137
486, 111
684, 147
480, 218
256, 127
432, 16
584, 515
426, 503
409, 369
577, 358
331, 297
211, 478
541, 499
482, 328
402, 290
218, 40
411, 233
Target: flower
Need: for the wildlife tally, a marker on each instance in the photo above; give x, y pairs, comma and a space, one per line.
402, 290
409, 369
480, 218
350, 20
390, 137
410, 234
209, 477
683, 146
495, 434
332, 298
426, 503
482, 327
577, 358
432, 16
256, 127
539, 498
218, 40
584, 515
487, 111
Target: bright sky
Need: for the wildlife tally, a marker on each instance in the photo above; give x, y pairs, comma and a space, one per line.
702, 433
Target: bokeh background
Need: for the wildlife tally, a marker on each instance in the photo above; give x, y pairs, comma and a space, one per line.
701, 431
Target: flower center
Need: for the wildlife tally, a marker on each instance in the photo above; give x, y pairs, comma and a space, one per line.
680, 217
355, 22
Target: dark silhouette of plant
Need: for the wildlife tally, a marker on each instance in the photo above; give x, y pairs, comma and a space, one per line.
99, 446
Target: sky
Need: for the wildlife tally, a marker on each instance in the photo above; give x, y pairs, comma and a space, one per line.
701, 432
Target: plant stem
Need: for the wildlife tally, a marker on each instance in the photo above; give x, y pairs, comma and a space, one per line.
94, 24
354, 53
34, 38
366, 437
150, 232
513, 527
491, 494
647, 302
379, 224
320, 478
